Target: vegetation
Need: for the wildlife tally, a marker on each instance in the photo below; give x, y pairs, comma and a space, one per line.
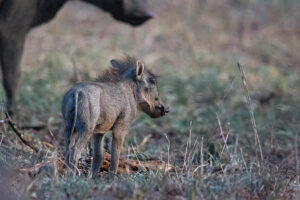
208, 137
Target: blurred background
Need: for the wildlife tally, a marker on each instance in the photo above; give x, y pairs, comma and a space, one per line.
194, 46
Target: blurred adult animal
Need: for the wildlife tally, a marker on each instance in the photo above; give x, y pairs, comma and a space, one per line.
18, 17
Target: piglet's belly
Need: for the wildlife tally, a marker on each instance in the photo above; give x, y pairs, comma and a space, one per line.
103, 128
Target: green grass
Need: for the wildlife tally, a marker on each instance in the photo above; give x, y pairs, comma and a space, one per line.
194, 102
196, 60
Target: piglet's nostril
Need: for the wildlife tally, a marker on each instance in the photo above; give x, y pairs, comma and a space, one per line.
167, 109
160, 107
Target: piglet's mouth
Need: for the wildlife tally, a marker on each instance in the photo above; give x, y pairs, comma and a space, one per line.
163, 109
155, 112
145, 107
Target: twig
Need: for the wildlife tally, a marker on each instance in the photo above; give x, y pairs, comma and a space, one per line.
235, 146
135, 153
165, 171
187, 149
257, 141
232, 158
34, 127
191, 158
39, 126
202, 169
145, 140
14, 127
210, 164
76, 168
3, 120
184, 158
185, 155
2, 136
224, 146
52, 136
221, 130
190, 144
242, 154
53, 139
297, 164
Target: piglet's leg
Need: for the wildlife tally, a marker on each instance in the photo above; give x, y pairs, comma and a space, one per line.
81, 140
97, 153
119, 133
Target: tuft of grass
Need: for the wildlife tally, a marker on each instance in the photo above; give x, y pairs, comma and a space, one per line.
194, 47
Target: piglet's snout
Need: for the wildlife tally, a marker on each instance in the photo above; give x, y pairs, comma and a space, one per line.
163, 109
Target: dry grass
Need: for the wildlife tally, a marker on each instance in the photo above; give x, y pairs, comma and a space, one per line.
194, 45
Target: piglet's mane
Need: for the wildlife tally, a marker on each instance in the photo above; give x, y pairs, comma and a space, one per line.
127, 66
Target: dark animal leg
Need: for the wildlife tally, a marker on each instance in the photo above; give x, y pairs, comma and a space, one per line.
69, 137
11, 50
97, 153
81, 140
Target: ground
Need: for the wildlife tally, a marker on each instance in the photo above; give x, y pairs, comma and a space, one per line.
208, 137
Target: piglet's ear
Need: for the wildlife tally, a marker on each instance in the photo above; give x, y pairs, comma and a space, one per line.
115, 63
139, 69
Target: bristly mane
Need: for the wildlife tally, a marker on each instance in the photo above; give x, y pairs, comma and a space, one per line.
115, 74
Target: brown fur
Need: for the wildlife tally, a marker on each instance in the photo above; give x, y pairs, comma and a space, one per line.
90, 109
114, 74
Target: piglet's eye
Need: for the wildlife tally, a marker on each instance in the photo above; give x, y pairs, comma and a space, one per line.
151, 80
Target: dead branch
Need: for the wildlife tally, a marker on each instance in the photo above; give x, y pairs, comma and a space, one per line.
20, 134
39, 126
34, 127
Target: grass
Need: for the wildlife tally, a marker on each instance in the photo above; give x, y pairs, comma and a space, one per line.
199, 81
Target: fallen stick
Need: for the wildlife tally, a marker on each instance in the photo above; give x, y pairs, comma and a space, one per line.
38, 127
34, 127
20, 134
